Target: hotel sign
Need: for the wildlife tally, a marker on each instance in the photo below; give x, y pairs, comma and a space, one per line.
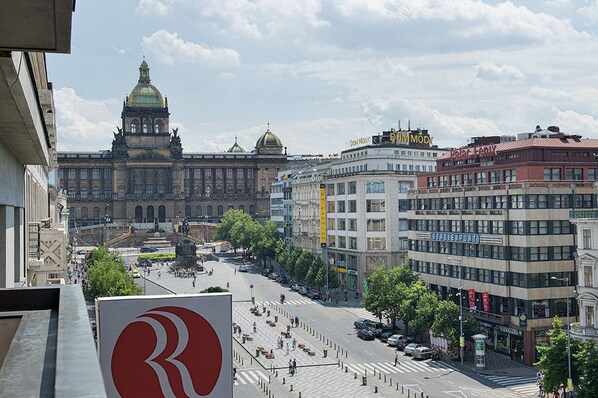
322, 216
410, 137
455, 237
473, 152
360, 141
417, 138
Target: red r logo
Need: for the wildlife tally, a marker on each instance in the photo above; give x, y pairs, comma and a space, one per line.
167, 352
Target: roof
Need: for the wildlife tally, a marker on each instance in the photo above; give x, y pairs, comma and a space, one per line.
145, 94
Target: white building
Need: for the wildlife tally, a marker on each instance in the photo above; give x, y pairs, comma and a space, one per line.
586, 222
366, 201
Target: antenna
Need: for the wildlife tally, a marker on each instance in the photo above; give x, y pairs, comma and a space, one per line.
408, 124
399, 125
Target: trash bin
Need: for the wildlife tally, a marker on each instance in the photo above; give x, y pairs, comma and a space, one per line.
364, 380
325, 353
257, 352
268, 312
275, 318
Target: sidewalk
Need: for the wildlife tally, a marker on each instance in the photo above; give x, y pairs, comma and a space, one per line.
499, 365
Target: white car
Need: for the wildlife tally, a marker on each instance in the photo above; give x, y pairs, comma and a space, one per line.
394, 339
409, 348
243, 268
422, 353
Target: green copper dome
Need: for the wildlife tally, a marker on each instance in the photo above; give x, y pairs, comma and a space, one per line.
144, 94
236, 148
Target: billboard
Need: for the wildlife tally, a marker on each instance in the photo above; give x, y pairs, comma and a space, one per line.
171, 346
322, 216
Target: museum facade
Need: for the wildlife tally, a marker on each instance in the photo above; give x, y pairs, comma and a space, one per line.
146, 178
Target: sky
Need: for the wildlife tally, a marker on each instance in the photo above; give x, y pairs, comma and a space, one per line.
323, 72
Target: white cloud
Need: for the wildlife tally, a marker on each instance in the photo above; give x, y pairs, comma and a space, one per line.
590, 12
227, 76
168, 48
121, 51
549, 93
488, 70
471, 17
154, 7
82, 123
573, 121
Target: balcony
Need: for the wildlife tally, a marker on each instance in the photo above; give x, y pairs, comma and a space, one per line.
591, 214
490, 317
577, 330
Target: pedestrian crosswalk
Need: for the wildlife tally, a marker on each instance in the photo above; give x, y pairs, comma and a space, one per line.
409, 366
249, 377
287, 302
525, 386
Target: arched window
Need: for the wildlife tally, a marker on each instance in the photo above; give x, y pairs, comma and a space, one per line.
161, 213
209, 210
188, 211
84, 213
231, 207
149, 214
96, 192
138, 214
145, 128
83, 193
96, 213
242, 208
198, 211
220, 211
159, 127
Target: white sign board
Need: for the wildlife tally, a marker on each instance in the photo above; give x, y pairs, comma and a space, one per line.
171, 346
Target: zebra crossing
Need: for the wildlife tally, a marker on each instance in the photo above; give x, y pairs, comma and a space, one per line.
249, 377
287, 302
409, 366
525, 386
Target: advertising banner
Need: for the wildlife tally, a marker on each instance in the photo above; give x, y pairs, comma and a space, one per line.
170, 346
471, 296
322, 216
486, 301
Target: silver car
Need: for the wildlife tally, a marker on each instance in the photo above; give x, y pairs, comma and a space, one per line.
422, 353
394, 339
409, 348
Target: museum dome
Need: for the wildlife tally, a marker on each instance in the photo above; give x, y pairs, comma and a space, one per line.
144, 94
268, 139
236, 148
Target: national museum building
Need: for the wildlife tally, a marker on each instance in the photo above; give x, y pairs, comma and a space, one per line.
145, 177
491, 226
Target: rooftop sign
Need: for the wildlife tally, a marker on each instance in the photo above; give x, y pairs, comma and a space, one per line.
473, 152
417, 138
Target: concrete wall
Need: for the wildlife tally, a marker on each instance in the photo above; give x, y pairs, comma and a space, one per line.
11, 178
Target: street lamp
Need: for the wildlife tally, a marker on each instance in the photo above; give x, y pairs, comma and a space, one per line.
461, 337
569, 380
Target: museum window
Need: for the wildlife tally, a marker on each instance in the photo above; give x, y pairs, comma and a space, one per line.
161, 189
376, 225
352, 206
352, 243
375, 205
95, 192
121, 192
209, 211
573, 174
134, 125
340, 188
207, 173
145, 128
340, 206
71, 173
230, 174
220, 211
218, 173
352, 224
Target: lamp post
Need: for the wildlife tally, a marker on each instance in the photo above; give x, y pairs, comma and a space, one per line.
569, 380
461, 337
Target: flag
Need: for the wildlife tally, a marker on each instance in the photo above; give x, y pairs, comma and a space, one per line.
365, 286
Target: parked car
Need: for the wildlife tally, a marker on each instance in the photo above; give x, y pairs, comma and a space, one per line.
243, 268
282, 279
273, 275
365, 334
266, 272
303, 290
384, 337
313, 294
148, 249
83, 251
378, 332
359, 323
404, 343
422, 353
394, 339
409, 348
295, 286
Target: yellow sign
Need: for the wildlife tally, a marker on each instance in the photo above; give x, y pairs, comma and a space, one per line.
410, 137
461, 342
322, 215
360, 141
337, 269
569, 384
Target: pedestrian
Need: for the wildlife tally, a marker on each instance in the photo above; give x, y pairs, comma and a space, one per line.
254, 327
239, 330
288, 349
294, 366
227, 285
292, 320
159, 274
296, 321
294, 343
396, 358
193, 282
235, 270
290, 366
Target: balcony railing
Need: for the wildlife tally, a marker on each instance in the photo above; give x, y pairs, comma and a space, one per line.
490, 317
583, 214
583, 331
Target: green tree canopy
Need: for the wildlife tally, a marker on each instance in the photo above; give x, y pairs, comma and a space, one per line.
587, 358
264, 243
108, 276
302, 265
425, 312
214, 289
229, 219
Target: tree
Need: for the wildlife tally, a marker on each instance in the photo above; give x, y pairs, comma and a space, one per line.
229, 219
446, 322
264, 242
302, 264
554, 359
242, 233
410, 297
108, 276
214, 289
588, 359
314, 269
425, 312
282, 254
294, 254
377, 296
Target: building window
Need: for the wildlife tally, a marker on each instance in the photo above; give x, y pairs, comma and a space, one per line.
516, 201
537, 201
376, 225
83, 174
352, 206
552, 174
480, 178
583, 201
374, 187
330, 206
340, 206
331, 223
352, 187
538, 227
587, 238
353, 243
467, 179
573, 174
375, 205
431, 182
340, 188
331, 241
330, 190
376, 243
589, 314
71, 173
540, 309
510, 175
561, 252
517, 253
494, 177
121, 192
593, 174
588, 276
342, 242
352, 224
538, 253
484, 227
341, 224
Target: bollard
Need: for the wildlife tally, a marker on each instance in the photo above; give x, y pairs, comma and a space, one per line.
408, 393
277, 373
390, 382
402, 389
397, 386
346, 369
355, 375
299, 394
385, 377
364, 381
375, 389
379, 375
269, 379
291, 387
283, 381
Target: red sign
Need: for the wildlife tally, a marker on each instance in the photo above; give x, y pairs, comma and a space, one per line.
471, 296
483, 151
486, 301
